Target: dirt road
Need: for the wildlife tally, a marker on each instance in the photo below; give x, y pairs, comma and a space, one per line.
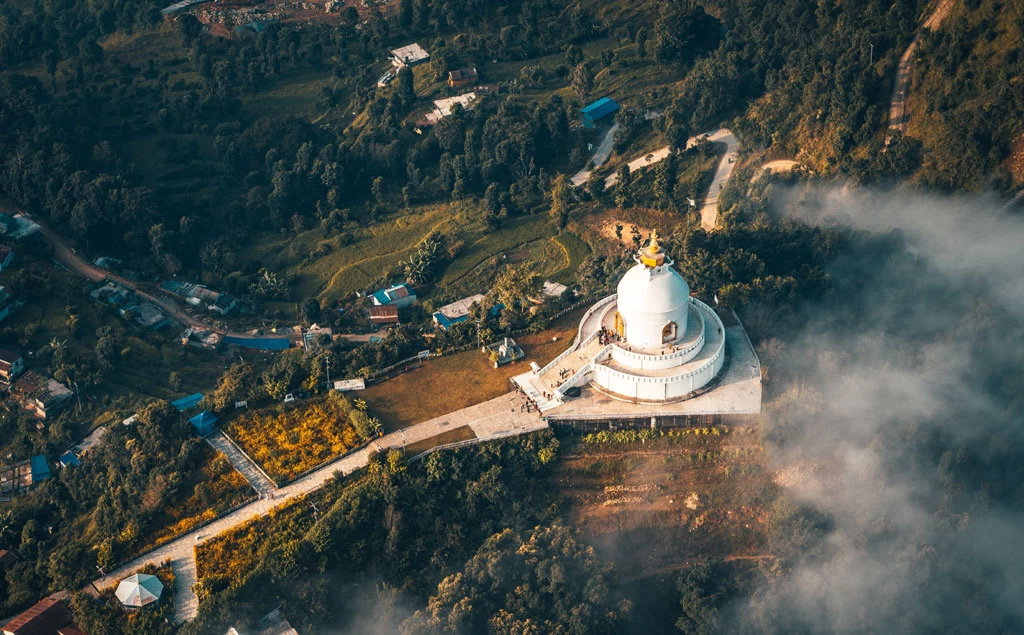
601, 154
898, 111
66, 256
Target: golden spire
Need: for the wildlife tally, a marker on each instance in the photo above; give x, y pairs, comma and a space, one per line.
652, 256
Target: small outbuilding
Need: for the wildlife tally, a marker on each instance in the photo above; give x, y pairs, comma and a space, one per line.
68, 459
399, 295
187, 403
387, 314
139, 590
204, 422
597, 111
410, 55
40, 468
504, 351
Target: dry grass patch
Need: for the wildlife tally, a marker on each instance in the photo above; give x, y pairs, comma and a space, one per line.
461, 380
287, 441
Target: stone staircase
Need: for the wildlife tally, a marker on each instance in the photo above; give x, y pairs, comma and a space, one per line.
568, 366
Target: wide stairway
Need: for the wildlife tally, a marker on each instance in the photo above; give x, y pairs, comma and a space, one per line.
568, 366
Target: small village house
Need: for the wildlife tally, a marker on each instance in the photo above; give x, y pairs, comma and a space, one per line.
40, 396
46, 617
598, 111
7, 559
410, 55
382, 315
457, 311
6, 304
399, 295
11, 365
462, 77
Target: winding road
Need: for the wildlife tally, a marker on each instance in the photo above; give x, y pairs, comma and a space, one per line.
604, 150
898, 110
709, 208
63, 254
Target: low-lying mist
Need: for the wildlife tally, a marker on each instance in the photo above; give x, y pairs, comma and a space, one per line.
897, 404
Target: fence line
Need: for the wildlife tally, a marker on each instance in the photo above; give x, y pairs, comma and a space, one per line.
468, 442
330, 460
126, 559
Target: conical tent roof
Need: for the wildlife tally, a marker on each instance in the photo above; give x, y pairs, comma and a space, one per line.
139, 590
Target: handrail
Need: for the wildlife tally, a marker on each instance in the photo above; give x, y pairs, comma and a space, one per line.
597, 305
565, 353
710, 362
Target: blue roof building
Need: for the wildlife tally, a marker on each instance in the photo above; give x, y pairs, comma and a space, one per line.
187, 403
204, 422
266, 343
459, 311
400, 295
68, 459
598, 111
40, 468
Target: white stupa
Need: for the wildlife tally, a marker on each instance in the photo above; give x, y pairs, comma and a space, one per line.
651, 345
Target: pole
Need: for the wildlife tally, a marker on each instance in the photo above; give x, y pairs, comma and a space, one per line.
872, 53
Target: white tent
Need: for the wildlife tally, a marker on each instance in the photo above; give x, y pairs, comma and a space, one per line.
139, 590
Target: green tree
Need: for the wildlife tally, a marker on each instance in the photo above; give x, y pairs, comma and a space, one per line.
560, 197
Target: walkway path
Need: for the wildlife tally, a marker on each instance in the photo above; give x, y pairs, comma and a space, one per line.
252, 473
709, 210
604, 150
898, 112
498, 417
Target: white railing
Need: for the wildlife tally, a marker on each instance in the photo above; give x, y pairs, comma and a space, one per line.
586, 316
566, 353
703, 367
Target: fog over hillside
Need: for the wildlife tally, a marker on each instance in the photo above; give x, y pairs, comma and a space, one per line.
899, 421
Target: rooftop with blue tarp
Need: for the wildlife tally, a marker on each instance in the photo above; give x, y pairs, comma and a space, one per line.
259, 343
187, 403
598, 110
204, 422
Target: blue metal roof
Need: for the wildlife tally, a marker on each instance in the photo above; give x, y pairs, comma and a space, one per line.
40, 468
187, 403
260, 343
68, 459
600, 108
203, 421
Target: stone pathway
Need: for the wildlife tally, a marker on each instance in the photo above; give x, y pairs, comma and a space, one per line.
252, 473
498, 417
